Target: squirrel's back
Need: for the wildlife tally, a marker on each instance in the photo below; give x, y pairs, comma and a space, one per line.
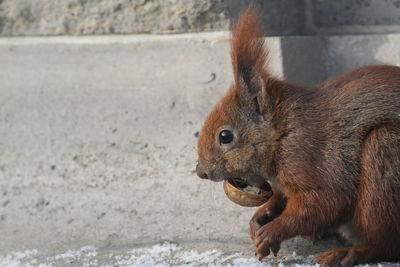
333, 119
360, 100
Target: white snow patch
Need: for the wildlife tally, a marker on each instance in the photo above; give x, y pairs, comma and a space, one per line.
21, 258
168, 254
160, 255
87, 251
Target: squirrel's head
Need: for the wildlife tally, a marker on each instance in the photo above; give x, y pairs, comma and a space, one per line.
238, 138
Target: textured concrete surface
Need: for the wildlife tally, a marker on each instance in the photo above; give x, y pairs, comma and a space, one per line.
98, 138
282, 17
44, 17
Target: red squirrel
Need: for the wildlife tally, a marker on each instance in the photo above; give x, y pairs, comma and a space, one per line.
331, 152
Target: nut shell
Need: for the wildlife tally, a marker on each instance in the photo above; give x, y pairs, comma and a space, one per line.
245, 199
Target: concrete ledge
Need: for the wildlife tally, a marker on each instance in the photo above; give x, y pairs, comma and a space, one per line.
222, 36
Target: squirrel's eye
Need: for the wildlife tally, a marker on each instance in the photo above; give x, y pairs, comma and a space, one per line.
225, 137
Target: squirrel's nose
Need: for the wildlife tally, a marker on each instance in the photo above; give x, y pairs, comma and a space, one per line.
201, 173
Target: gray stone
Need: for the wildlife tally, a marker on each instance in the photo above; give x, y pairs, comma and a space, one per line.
281, 17
43, 17
82, 17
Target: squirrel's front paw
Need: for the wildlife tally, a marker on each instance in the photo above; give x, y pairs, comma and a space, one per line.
265, 214
266, 242
260, 232
263, 228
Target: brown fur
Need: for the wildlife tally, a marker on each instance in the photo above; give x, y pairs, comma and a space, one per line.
334, 150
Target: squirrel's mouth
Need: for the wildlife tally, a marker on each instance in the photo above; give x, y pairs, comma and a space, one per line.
250, 188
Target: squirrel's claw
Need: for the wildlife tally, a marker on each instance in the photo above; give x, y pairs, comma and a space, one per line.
265, 243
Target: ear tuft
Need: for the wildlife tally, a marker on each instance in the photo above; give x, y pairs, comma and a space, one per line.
249, 59
247, 47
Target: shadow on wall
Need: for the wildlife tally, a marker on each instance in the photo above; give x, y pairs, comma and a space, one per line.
315, 40
281, 17
311, 60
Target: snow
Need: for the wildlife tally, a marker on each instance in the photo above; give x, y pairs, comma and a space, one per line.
24, 258
88, 250
160, 255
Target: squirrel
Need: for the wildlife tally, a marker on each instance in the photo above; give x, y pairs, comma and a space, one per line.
331, 152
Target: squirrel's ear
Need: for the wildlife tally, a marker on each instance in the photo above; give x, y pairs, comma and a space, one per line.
249, 58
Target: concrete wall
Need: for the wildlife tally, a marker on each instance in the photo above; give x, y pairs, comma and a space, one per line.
283, 17
312, 59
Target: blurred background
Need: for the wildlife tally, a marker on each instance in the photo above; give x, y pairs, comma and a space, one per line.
101, 103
